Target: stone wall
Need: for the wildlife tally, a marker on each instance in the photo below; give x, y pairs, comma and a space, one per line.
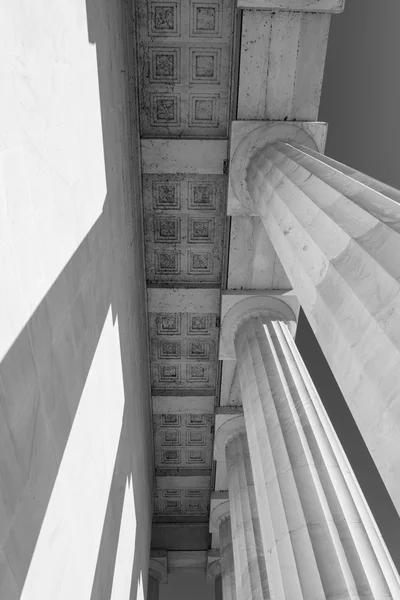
75, 434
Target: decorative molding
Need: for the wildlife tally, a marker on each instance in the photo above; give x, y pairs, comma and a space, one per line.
164, 18
203, 110
227, 426
219, 509
165, 110
158, 565
201, 196
205, 19
166, 195
213, 565
165, 64
255, 305
247, 138
205, 65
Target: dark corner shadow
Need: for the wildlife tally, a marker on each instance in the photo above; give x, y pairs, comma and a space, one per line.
374, 489
44, 372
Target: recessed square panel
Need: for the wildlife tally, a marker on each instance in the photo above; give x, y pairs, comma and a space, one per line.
198, 324
205, 65
193, 420
170, 494
194, 507
205, 19
167, 262
194, 493
200, 230
198, 349
170, 457
165, 64
172, 506
168, 323
203, 110
166, 196
195, 457
170, 420
201, 196
169, 350
169, 373
198, 372
165, 110
167, 230
164, 19
200, 263
171, 438
195, 438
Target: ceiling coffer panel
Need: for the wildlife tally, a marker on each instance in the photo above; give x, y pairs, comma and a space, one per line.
185, 53
183, 441
183, 228
183, 353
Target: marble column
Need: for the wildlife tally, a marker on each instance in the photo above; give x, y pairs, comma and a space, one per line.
318, 536
221, 519
336, 233
214, 573
153, 592
249, 560
158, 573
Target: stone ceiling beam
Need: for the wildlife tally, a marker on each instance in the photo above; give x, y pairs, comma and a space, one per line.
330, 6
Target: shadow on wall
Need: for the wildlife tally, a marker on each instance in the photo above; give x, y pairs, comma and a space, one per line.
75, 431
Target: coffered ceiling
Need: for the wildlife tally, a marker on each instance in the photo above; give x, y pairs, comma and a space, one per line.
185, 67
185, 53
186, 70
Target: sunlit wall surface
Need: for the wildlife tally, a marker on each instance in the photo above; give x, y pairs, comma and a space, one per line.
75, 438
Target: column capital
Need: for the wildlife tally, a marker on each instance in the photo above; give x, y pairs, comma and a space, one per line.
242, 308
330, 6
227, 426
213, 565
158, 565
219, 510
247, 138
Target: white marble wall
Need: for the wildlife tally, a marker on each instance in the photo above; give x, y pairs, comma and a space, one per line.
75, 468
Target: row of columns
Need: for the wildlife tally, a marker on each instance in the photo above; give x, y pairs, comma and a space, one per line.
298, 526
296, 520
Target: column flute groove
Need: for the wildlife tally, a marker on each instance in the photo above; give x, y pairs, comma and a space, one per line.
249, 558
336, 233
227, 560
319, 538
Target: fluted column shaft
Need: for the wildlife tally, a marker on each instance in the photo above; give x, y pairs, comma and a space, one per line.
153, 588
319, 538
227, 560
218, 587
249, 559
336, 233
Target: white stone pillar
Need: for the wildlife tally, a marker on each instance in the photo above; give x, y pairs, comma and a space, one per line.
249, 560
214, 572
319, 538
336, 233
153, 592
221, 519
